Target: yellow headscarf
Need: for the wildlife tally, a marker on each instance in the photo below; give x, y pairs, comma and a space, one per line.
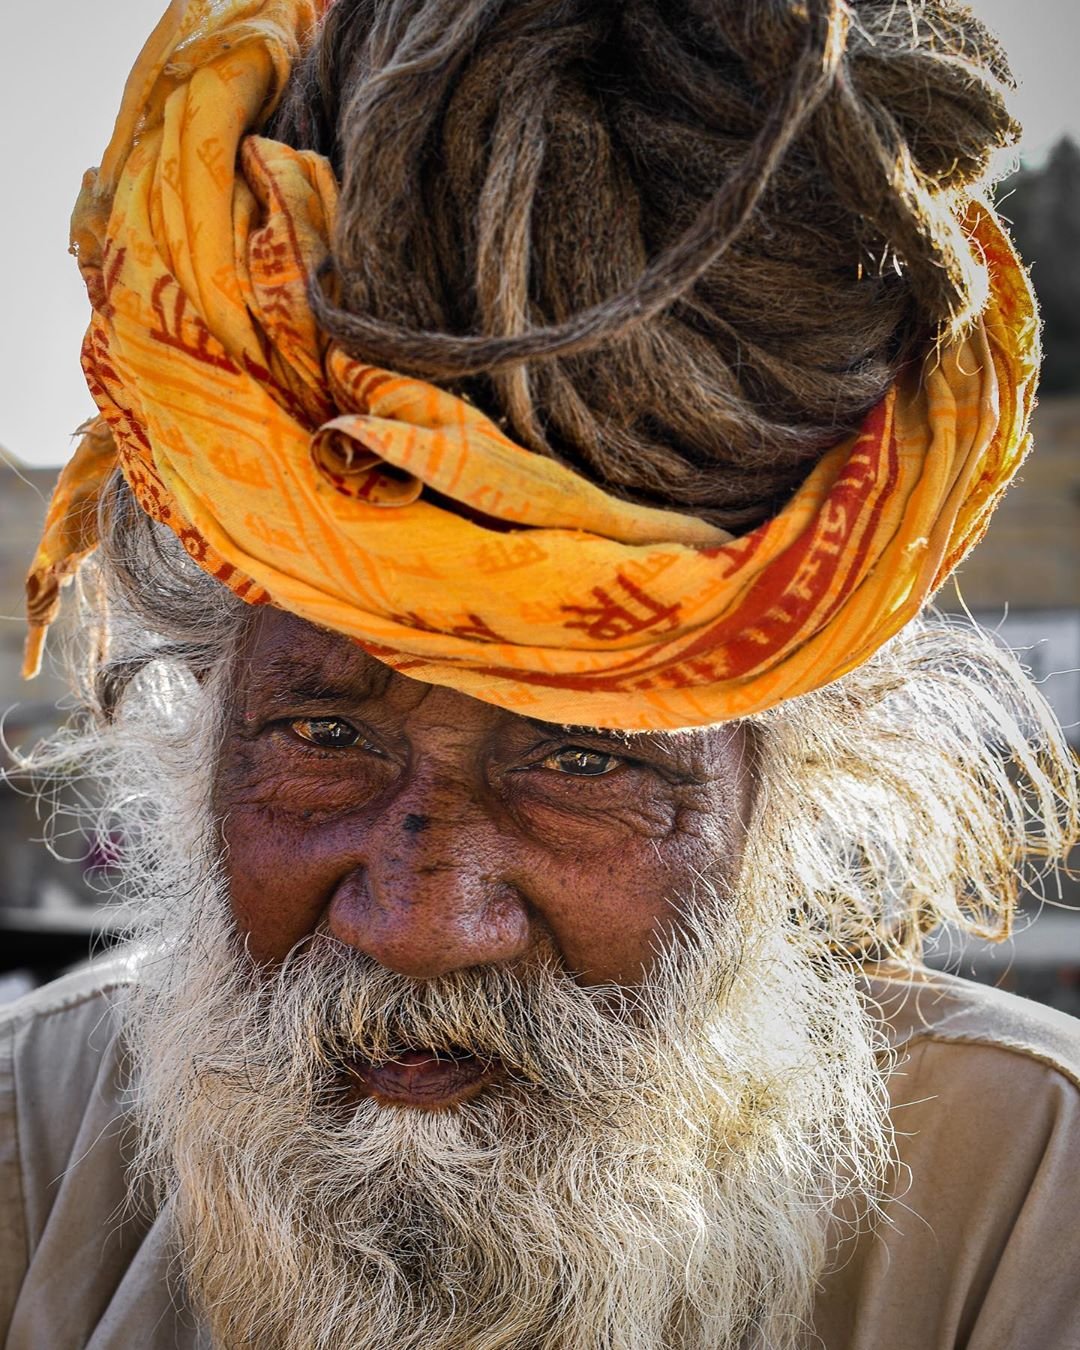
302, 478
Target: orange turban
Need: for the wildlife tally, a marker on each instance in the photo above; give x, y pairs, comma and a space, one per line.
302, 478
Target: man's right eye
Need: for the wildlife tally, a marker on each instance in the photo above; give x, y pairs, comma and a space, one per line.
328, 733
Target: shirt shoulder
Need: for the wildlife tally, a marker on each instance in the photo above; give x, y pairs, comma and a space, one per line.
59, 1100
87, 1261
934, 1006
60, 1059
985, 1091
91, 984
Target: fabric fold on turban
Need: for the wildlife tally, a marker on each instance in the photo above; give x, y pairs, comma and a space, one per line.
389, 510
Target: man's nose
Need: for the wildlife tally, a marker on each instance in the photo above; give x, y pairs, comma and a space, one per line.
428, 896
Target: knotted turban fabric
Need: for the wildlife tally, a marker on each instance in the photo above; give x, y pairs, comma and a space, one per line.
384, 508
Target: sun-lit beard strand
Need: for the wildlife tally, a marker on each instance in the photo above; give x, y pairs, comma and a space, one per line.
658, 1170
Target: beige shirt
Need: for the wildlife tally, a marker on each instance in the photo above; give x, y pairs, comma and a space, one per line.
979, 1251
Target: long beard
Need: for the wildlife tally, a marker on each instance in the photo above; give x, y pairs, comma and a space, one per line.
656, 1167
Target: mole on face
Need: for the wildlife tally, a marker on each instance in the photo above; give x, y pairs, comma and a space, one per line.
414, 824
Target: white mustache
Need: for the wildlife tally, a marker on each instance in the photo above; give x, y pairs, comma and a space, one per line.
332, 1006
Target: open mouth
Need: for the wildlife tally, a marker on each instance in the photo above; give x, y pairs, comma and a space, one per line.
425, 1078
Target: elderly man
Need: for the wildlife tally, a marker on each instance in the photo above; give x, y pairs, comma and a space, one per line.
497, 637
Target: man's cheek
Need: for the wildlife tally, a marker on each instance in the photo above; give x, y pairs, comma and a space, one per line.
280, 876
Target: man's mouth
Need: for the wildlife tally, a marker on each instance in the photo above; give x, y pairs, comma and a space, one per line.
429, 1079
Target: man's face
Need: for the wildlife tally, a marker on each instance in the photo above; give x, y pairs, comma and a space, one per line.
641, 1085
435, 834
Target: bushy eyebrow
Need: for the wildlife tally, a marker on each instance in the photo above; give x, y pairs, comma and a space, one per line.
285, 678
624, 740
570, 730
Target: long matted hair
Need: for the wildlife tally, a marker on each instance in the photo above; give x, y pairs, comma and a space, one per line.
683, 246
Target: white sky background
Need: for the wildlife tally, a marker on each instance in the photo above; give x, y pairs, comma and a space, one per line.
64, 67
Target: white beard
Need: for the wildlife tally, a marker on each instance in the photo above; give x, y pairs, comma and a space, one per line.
658, 1169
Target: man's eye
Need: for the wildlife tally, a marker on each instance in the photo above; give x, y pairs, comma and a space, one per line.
582, 763
329, 733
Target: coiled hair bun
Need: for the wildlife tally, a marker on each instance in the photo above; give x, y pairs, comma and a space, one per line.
682, 245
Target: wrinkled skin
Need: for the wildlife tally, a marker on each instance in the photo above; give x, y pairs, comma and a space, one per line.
435, 833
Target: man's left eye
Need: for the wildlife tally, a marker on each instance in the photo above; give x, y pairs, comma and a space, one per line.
581, 763
329, 733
